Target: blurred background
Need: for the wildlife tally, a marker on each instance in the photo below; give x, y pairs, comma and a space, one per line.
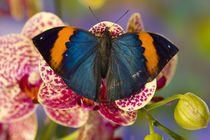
184, 22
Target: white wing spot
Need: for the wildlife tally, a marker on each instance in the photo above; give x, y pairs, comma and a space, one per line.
41, 38
169, 46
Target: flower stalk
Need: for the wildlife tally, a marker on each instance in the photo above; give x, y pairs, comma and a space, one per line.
47, 131
58, 8
163, 102
157, 124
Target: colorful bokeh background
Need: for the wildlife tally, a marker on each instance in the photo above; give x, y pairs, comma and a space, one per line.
184, 22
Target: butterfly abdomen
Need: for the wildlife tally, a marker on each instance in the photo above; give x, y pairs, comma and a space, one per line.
105, 45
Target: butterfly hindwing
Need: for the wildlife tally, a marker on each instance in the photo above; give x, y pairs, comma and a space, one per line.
126, 60
72, 54
135, 60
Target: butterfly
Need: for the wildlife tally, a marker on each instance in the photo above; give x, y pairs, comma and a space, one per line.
82, 59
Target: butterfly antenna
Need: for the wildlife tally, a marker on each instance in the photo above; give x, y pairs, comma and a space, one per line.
93, 14
119, 19
122, 16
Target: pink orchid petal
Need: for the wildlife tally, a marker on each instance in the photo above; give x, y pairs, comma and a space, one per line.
111, 112
97, 128
49, 77
24, 129
74, 117
58, 99
115, 29
167, 73
39, 23
138, 100
17, 58
135, 23
114, 114
15, 105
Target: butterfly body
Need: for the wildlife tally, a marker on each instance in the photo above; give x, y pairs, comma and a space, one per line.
105, 45
82, 60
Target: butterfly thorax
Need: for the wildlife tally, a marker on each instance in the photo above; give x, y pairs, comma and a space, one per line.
105, 46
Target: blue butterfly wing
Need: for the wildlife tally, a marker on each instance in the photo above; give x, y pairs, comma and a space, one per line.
80, 65
136, 58
126, 60
72, 54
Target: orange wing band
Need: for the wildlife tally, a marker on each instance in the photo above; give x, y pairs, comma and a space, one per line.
150, 52
59, 46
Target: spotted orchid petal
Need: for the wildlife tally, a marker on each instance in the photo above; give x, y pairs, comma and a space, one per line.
138, 100
15, 104
39, 23
114, 29
135, 23
24, 129
97, 128
74, 117
49, 77
58, 99
17, 59
167, 73
111, 112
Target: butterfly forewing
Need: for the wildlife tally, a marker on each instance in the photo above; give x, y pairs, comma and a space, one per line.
73, 55
136, 58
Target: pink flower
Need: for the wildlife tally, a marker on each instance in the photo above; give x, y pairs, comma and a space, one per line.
22, 87
20, 79
24, 129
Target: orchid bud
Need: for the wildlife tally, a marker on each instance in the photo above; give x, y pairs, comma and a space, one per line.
191, 112
154, 136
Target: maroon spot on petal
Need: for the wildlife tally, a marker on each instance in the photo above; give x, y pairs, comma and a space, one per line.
161, 82
157, 99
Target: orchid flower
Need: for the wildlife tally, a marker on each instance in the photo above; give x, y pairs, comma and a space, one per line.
26, 79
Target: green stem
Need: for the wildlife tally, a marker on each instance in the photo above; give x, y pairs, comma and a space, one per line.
156, 123
47, 132
168, 131
151, 127
58, 8
163, 102
72, 136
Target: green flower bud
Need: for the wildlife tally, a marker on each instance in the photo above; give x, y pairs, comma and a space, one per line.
154, 136
191, 112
